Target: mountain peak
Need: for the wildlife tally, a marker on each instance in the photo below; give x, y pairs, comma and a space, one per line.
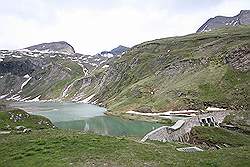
60, 46
119, 50
243, 18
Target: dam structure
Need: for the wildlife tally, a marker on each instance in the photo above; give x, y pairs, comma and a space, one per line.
180, 131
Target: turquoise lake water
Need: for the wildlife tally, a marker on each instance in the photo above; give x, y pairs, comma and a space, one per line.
87, 117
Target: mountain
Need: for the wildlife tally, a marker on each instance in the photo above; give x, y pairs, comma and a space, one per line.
27, 75
189, 72
114, 52
33, 74
119, 50
243, 18
51, 71
61, 47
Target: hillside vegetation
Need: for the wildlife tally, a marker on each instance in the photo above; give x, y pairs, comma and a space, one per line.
68, 148
188, 72
12, 118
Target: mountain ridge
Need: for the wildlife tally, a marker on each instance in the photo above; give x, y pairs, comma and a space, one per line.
177, 73
243, 18
160, 75
60, 46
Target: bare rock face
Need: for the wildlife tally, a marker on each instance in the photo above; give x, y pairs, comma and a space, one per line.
61, 47
239, 59
243, 18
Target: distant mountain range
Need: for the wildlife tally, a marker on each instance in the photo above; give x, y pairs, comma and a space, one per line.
50, 71
188, 72
243, 18
64, 47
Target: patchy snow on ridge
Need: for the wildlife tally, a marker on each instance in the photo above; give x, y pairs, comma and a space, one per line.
64, 94
168, 113
26, 76
108, 55
3, 96
105, 66
35, 99
15, 97
16, 56
85, 70
87, 99
25, 82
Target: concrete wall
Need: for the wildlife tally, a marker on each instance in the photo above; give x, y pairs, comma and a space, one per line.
166, 133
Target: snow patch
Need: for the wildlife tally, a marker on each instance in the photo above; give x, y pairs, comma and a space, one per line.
26, 76
168, 113
68, 68
108, 55
215, 109
87, 99
14, 97
105, 66
24, 100
16, 56
35, 99
3, 96
25, 82
85, 71
64, 94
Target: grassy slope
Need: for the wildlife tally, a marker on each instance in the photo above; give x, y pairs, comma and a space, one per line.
55, 90
217, 136
27, 120
206, 80
240, 119
67, 148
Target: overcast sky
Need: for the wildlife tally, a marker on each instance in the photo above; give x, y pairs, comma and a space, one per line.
91, 26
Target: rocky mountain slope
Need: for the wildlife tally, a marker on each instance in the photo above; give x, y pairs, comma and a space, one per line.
243, 18
189, 72
48, 71
62, 47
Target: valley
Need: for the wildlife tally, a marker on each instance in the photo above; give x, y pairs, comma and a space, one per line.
175, 101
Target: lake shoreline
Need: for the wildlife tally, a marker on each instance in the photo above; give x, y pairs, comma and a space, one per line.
88, 117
